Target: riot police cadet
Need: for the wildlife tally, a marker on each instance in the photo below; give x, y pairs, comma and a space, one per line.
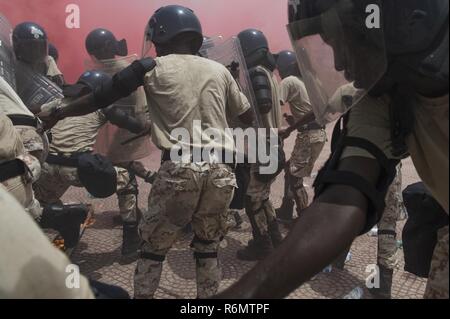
111, 56
258, 207
310, 141
53, 52
30, 43
55, 74
28, 143
71, 154
398, 73
184, 88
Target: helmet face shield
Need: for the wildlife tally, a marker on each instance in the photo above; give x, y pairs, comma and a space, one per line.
148, 49
32, 51
341, 58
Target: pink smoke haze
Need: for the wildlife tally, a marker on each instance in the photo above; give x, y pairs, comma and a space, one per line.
127, 19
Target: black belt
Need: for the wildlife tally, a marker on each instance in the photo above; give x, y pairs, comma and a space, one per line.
313, 126
11, 169
60, 160
23, 120
166, 156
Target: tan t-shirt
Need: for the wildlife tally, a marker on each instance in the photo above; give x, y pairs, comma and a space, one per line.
30, 266
10, 102
77, 134
293, 91
428, 144
273, 118
52, 68
233, 119
182, 89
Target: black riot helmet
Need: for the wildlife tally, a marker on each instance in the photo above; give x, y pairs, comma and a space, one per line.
30, 43
369, 47
86, 84
53, 52
172, 27
287, 64
103, 45
256, 49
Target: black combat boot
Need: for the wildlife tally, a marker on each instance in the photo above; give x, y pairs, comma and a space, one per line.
131, 239
385, 290
285, 213
275, 234
237, 219
66, 219
257, 249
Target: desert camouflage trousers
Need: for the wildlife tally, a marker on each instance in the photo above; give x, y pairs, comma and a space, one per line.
387, 227
181, 194
307, 149
438, 284
56, 180
258, 205
35, 143
21, 186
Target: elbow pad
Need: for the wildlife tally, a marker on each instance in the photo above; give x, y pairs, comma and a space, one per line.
263, 90
375, 194
123, 83
123, 120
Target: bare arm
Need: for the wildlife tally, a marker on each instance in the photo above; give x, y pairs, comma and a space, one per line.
308, 118
324, 230
247, 118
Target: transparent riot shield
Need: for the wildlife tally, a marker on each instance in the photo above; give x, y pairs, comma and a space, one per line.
228, 52
7, 71
34, 88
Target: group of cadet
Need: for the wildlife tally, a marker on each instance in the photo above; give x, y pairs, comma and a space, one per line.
391, 103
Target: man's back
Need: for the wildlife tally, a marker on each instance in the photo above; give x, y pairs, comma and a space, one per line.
293, 91
185, 88
77, 134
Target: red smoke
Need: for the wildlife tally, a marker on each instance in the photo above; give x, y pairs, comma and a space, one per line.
127, 19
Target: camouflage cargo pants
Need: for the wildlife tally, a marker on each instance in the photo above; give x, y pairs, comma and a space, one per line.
181, 194
258, 206
387, 227
56, 180
307, 149
438, 284
21, 187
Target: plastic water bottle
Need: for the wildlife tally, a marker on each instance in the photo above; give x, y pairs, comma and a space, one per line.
357, 293
328, 269
349, 257
373, 232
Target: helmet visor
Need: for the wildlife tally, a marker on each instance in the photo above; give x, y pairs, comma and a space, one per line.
148, 49
341, 54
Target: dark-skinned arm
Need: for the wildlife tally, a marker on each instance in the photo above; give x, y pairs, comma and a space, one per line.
121, 85
247, 118
306, 119
323, 232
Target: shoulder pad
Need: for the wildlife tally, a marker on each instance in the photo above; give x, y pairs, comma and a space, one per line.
263, 90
